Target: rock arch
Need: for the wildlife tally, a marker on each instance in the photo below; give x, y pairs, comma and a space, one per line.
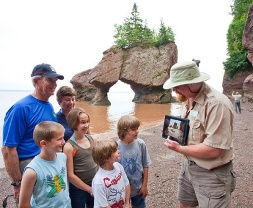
144, 69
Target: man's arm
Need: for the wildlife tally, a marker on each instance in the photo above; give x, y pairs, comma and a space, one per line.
198, 150
27, 185
11, 162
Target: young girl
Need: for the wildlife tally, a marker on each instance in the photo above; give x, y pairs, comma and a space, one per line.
110, 185
80, 164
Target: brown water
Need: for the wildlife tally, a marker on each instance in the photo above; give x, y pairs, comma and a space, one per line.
103, 118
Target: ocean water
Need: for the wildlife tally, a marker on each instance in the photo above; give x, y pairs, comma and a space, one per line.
103, 118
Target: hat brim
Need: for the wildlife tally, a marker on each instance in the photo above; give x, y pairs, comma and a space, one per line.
169, 84
54, 75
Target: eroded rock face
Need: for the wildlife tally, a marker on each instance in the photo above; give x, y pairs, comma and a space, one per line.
247, 38
243, 82
144, 69
247, 41
248, 87
235, 84
85, 91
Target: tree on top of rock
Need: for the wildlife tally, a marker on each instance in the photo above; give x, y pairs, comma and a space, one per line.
165, 35
133, 32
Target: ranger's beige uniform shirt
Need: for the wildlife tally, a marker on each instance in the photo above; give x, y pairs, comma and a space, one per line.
211, 123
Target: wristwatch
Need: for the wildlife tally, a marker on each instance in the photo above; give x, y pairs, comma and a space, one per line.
16, 183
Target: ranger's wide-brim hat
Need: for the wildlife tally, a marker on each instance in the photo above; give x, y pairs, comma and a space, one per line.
186, 72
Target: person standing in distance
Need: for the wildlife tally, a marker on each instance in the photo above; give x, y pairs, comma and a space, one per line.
207, 178
18, 146
237, 101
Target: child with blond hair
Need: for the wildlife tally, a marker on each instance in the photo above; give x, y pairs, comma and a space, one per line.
44, 183
134, 158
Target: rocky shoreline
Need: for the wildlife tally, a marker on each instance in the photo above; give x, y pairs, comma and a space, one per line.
166, 164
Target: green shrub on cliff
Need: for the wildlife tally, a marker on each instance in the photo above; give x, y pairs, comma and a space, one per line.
133, 32
237, 60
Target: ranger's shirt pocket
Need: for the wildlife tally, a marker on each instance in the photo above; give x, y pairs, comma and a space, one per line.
196, 133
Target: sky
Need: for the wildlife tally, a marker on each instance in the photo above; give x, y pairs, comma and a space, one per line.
72, 35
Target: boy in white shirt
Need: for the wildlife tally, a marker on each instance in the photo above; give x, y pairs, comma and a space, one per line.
110, 185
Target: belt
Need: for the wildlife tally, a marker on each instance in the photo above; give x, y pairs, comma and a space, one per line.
191, 162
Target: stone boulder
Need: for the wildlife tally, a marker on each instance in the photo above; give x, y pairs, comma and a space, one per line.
144, 69
247, 38
85, 91
235, 84
248, 87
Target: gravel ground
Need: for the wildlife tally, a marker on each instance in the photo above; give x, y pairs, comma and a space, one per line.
166, 164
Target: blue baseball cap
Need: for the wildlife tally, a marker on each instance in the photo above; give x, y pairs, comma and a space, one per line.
46, 70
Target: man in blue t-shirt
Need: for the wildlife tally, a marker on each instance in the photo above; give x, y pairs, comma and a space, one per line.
20, 120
